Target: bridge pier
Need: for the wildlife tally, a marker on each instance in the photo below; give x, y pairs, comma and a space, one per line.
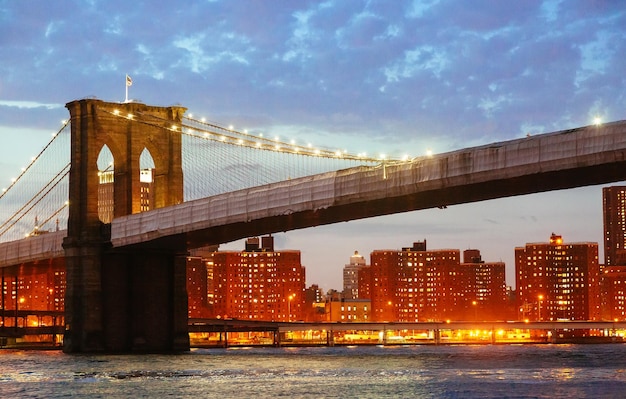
83, 297
131, 300
125, 302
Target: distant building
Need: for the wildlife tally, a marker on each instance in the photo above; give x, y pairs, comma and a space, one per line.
614, 270
365, 283
314, 304
258, 283
40, 287
106, 199
197, 287
614, 214
557, 280
416, 284
614, 293
200, 293
483, 285
351, 276
349, 310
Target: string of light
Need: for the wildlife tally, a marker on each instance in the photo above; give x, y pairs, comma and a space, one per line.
215, 160
36, 201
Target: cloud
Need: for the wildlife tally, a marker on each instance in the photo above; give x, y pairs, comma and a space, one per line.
369, 76
29, 104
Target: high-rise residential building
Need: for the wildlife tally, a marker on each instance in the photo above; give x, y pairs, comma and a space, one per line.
351, 276
365, 283
258, 283
105, 196
614, 293
39, 288
416, 284
384, 272
314, 304
106, 199
557, 280
614, 270
614, 214
484, 287
197, 290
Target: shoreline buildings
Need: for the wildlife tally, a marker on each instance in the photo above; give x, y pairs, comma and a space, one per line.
558, 280
258, 283
555, 280
614, 271
417, 284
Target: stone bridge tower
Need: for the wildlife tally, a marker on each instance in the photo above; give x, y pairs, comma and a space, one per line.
131, 300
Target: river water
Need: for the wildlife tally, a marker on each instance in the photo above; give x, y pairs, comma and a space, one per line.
464, 371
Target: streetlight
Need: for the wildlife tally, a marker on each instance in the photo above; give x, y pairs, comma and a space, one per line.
289, 306
474, 304
539, 307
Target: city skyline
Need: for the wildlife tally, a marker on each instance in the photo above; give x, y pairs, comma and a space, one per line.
366, 76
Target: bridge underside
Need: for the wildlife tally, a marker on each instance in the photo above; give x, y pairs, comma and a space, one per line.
426, 199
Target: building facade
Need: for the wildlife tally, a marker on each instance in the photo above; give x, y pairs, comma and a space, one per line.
416, 284
483, 285
558, 281
614, 293
258, 283
39, 287
614, 215
351, 276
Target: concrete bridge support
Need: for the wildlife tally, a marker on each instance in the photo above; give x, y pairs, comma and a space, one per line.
145, 302
125, 302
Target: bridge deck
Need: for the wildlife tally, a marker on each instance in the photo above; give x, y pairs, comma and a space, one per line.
565, 159
33, 249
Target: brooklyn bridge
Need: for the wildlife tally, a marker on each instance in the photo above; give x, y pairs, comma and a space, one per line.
124, 190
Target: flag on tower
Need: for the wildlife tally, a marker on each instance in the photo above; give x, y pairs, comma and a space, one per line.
129, 81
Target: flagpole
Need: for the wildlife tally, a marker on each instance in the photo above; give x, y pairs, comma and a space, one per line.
129, 82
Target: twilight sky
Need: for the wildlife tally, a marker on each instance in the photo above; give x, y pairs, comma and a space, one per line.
392, 76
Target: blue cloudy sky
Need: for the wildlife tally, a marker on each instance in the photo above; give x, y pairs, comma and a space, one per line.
396, 76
